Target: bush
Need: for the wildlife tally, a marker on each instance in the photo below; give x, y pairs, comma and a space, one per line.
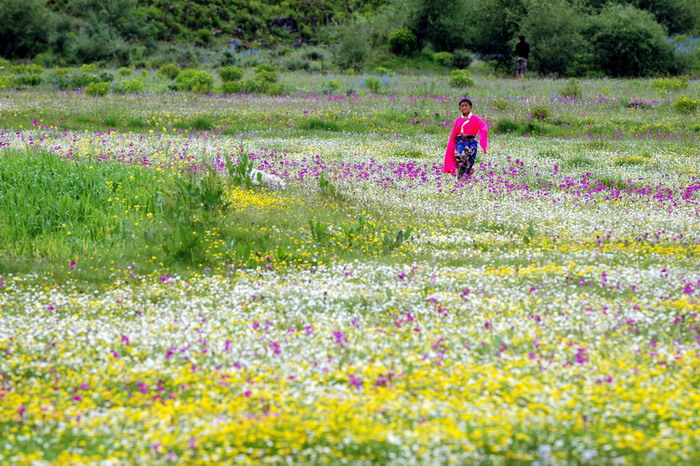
558, 37
170, 71
507, 126
7, 82
295, 62
29, 80
89, 68
195, 81
572, 89
460, 79
124, 71
134, 86
501, 104
82, 80
230, 73
539, 112
403, 42
106, 76
331, 87
374, 84
665, 85
461, 58
26, 69
353, 48
629, 42
232, 87
686, 105
97, 89
203, 36
443, 58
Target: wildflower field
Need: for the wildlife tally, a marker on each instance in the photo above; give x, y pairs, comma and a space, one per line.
156, 306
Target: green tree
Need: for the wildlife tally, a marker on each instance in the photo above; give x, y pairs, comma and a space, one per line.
441, 26
627, 41
498, 23
556, 39
25, 28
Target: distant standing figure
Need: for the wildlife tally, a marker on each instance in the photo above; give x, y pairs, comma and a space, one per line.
522, 55
468, 132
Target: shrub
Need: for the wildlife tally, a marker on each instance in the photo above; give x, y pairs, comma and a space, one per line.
230, 73
27, 69
194, 80
97, 89
232, 87
106, 76
89, 68
443, 58
353, 48
265, 75
501, 104
125, 71
507, 126
629, 42
203, 36
295, 62
7, 82
686, 105
380, 70
559, 37
460, 79
331, 87
266, 67
572, 89
374, 84
134, 86
170, 71
29, 80
461, 58
539, 112
82, 80
665, 85
403, 42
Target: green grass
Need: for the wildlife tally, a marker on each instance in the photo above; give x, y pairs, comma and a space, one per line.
106, 217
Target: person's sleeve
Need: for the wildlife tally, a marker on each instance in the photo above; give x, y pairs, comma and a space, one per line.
450, 164
483, 135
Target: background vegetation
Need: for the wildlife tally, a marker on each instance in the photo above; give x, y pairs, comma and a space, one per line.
584, 38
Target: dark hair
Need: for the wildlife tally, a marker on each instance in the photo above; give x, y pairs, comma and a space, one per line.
469, 101
521, 37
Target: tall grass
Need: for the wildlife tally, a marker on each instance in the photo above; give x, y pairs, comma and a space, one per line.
60, 211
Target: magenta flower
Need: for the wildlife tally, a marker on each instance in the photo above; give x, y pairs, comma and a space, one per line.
355, 381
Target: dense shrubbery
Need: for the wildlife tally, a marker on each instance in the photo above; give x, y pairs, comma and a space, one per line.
583, 38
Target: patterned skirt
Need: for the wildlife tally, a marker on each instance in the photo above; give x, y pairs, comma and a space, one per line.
466, 147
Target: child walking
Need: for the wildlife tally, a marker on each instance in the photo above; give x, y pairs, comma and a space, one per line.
468, 133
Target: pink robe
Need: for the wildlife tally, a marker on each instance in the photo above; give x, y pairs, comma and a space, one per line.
474, 126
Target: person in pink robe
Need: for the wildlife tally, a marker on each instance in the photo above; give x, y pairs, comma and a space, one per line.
467, 130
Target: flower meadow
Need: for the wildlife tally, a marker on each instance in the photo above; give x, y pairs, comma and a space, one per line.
158, 307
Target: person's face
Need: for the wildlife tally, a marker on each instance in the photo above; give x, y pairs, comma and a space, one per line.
465, 108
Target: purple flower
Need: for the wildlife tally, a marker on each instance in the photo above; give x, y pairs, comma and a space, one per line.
339, 338
275, 347
355, 381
